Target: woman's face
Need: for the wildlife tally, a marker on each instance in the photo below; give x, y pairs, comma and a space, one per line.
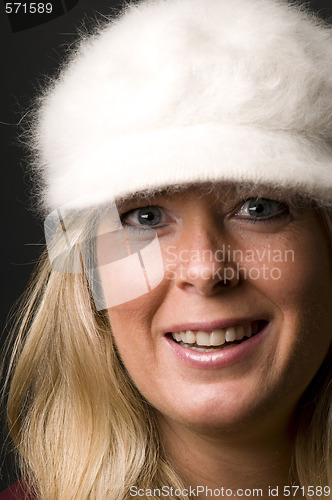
249, 268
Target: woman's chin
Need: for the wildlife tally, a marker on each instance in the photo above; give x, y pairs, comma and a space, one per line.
219, 411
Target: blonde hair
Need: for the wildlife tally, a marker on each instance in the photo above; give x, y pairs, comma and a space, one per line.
313, 445
82, 429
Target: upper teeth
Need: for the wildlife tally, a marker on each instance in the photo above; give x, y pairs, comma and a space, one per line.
214, 338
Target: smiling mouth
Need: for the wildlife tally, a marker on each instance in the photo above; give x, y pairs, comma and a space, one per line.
221, 338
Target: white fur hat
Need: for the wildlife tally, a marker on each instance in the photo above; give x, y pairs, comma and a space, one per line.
178, 91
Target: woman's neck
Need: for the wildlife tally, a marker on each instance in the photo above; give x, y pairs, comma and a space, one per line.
220, 460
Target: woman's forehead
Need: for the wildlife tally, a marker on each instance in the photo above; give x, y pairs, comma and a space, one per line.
217, 192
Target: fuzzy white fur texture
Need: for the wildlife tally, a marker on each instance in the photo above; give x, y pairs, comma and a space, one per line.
178, 91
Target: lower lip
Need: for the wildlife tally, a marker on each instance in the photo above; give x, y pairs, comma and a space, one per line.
217, 359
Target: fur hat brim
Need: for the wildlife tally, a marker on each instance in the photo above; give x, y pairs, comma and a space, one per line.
193, 154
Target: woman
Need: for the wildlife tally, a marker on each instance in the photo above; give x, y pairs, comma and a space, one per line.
177, 340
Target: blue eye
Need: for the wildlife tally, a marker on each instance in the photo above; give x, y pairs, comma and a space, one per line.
143, 217
262, 209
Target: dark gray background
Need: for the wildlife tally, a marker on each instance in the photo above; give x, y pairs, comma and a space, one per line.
27, 56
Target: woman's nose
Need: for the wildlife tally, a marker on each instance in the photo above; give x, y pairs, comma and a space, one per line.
203, 265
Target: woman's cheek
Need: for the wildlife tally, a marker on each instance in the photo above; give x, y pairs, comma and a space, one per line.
290, 261
295, 274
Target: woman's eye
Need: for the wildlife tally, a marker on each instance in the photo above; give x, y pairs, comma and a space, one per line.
262, 209
145, 216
